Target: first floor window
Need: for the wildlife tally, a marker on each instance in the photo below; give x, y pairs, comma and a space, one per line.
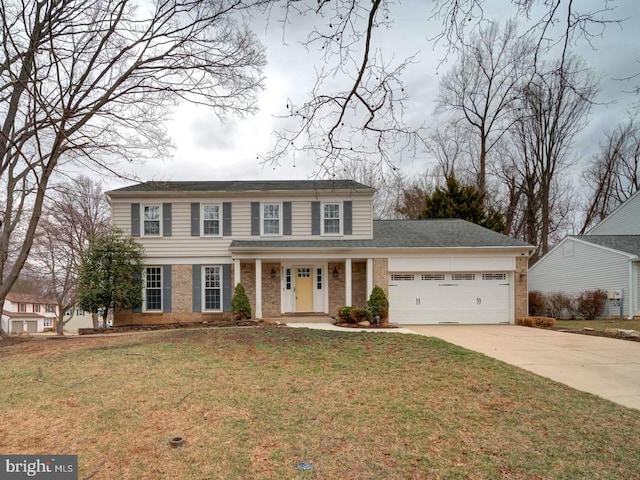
319, 278
48, 322
331, 219
212, 288
152, 220
153, 289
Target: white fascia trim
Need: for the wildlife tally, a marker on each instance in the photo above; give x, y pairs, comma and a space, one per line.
153, 261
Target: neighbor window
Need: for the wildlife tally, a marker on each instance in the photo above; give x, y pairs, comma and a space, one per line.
331, 219
152, 220
211, 219
48, 322
271, 219
22, 307
212, 285
36, 307
79, 312
51, 308
153, 289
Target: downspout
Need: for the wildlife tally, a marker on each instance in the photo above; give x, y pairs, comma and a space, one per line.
633, 290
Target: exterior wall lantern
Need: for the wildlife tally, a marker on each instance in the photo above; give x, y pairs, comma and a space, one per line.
335, 272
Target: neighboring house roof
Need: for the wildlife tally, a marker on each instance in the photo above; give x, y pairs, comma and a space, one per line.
242, 186
437, 233
612, 215
27, 298
629, 244
22, 314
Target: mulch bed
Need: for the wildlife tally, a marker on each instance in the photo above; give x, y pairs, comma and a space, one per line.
596, 333
373, 325
168, 326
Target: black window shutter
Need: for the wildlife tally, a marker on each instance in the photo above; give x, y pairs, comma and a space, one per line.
226, 288
195, 219
166, 288
286, 218
315, 218
255, 218
166, 219
196, 290
226, 219
348, 217
135, 219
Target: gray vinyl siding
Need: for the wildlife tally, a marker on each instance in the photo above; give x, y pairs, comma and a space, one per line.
301, 219
624, 221
241, 219
589, 268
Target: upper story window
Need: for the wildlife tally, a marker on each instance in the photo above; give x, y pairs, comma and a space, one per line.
36, 307
22, 307
51, 308
151, 220
152, 289
331, 219
271, 219
211, 219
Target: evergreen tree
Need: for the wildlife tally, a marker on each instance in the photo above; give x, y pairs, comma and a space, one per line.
461, 201
111, 274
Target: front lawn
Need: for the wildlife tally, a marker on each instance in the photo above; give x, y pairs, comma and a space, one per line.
252, 403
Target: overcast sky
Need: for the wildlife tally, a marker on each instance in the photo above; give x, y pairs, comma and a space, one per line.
207, 149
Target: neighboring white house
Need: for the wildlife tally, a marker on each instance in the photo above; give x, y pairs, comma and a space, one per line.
303, 247
80, 319
28, 313
606, 258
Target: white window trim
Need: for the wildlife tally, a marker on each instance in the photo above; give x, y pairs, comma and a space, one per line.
202, 205
144, 288
340, 219
204, 286
280, 219
48, 322
142, 232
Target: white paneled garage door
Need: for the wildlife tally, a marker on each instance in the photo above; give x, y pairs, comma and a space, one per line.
433, 298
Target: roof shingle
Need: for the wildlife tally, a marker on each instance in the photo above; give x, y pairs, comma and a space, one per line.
624, 243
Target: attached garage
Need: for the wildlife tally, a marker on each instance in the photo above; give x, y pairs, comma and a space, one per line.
451, 297
32, 326
17, 326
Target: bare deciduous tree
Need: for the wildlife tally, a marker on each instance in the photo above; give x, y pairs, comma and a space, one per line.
553, 109
92, 81
482, 86
77, 213
614, 174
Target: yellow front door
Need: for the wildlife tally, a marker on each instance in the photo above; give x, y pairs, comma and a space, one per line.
304, 290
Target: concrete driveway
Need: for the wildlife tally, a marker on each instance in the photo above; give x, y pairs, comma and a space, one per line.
606, 367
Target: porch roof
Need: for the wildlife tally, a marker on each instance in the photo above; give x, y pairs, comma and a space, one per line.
437, 233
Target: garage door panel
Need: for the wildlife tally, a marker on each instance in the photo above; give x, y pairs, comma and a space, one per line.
432, 298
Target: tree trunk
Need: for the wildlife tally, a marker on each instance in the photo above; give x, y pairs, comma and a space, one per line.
96, 322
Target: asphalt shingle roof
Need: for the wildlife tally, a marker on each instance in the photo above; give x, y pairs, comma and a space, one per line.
625, 243
243, 186
446, 233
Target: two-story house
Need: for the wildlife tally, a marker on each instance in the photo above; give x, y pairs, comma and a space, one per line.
606, 258
310, 247
28, 313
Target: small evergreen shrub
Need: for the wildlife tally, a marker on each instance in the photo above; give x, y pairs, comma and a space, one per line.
344, 314
590, 303
240, 305
378, 304
361, 315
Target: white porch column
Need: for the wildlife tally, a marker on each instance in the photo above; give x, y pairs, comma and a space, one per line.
347, 282
369, 277
236, 272
258, 288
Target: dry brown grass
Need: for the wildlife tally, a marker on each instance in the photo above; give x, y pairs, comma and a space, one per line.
253, 403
